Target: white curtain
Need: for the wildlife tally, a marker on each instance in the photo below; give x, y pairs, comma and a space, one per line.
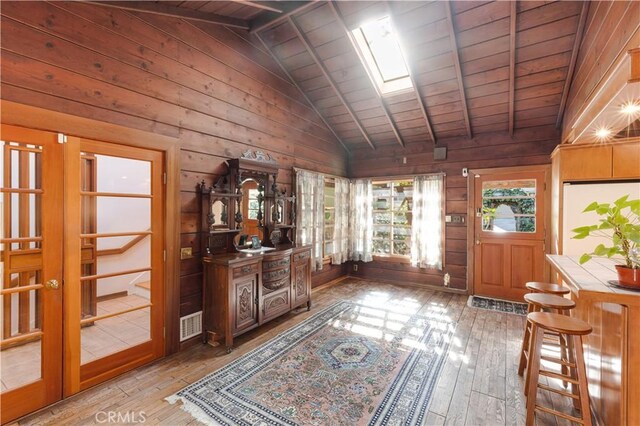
361, 220
341, 228
426, 229
310, 213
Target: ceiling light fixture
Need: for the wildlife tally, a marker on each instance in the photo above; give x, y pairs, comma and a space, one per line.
603, 133
631, 108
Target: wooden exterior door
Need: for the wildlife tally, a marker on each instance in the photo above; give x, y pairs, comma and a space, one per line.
509, 231
31, 269
114, 260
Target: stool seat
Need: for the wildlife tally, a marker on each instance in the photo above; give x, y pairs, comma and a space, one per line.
559, 323
550, 288
551, 301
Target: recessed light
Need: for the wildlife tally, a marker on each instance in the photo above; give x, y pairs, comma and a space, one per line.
631, 108
603, 133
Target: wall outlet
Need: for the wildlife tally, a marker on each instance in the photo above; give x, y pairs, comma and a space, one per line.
186, 253
446, 279
355, 267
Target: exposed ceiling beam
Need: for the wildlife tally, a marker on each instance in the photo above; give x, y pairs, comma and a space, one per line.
267, 20
512, 66
326, 74
175, 12
456, 62
264, 5
423, 107
383, 105
275, 58
572, 62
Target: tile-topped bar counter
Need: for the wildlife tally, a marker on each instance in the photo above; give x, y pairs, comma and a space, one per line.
612, 350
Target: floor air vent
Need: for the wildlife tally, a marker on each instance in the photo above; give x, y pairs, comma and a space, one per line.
190, 326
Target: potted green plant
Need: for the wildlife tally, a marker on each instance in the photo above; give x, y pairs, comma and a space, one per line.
620, 223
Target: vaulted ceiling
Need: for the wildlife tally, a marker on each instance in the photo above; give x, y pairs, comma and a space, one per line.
476, 66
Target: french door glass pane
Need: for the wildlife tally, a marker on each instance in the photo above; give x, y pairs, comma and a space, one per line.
116, 271
120, 175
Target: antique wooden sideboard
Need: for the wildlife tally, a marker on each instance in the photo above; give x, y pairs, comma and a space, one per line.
250, 279
242, 291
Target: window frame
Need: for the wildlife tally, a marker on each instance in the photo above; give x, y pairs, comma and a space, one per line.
390, 87
327, 256
391, 256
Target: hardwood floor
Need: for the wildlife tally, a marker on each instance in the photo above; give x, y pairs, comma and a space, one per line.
478, 385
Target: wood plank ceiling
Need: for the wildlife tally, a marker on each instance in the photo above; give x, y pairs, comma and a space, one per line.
477, 66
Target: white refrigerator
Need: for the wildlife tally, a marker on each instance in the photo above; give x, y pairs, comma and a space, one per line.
577, 196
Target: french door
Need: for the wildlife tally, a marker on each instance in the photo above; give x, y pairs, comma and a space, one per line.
31, 267
82, 265
509, 231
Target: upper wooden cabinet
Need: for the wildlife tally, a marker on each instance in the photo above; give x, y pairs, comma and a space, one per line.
626, 160
614, 161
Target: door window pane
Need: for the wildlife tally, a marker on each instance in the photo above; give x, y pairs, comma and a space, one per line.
509, 206
120, 175
21, 354
121, 303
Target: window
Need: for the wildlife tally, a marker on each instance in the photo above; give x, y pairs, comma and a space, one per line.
382, 55
329, 216
509, 206
392, 216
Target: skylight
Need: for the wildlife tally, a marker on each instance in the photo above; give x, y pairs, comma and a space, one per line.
382, 55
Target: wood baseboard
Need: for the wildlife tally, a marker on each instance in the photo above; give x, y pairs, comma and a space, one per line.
414, 284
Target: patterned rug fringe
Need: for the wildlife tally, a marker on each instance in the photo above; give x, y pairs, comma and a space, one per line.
193, 410
497, 305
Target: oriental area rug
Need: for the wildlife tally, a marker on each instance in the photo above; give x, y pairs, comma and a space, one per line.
350, 364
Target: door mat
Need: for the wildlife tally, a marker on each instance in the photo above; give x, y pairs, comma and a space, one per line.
497, 305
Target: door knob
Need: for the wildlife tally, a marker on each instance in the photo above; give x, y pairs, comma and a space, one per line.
52, 284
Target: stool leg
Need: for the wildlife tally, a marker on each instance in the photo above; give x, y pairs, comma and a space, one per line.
525, 347
573, 372
564, 355
582, 380
525, 343
533, 372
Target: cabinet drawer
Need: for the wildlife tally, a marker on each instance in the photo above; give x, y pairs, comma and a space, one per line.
277, 284
245, 270
276, 304
276, 275
268, 265
298, 257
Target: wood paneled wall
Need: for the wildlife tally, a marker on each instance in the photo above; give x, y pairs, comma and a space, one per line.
527, 147
610, 30
209, 86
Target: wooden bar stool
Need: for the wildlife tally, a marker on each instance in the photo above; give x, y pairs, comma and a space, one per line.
549, 288
538, 302
572, 329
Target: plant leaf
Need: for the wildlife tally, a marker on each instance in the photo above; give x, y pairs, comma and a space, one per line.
591, 207
600, 250
585, 258
621, 202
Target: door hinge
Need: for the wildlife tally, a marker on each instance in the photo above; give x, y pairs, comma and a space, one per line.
62, 138
164, 255
164, 332
164, 178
